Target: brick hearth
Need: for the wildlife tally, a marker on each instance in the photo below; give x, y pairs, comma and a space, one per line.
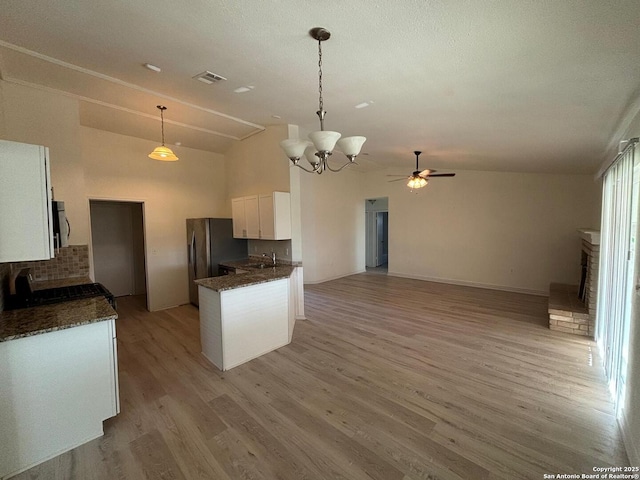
568, 312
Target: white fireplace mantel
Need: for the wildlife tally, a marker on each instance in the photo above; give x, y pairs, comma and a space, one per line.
590, 235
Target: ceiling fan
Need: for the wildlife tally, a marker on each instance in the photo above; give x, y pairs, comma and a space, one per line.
419, 179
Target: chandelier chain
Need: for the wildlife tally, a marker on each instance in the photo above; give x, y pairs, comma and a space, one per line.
321, 105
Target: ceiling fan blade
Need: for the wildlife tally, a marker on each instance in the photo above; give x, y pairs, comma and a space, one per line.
396, 176
426, 172
441, 175
397, 180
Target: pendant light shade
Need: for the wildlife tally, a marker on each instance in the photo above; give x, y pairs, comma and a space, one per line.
294, 148
324, 140
161, 152
351, 146
310, 155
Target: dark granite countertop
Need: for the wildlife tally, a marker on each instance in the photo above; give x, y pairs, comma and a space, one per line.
253, 276
60, 282
25, 322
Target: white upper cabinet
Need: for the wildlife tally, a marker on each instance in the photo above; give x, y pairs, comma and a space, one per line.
275, 216
266, 216
252, 214
26, 227
239, 218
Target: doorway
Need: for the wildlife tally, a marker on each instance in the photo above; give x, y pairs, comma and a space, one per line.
117, 240
377, 234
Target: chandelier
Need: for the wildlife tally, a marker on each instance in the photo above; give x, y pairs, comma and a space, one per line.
318, 151
161, 152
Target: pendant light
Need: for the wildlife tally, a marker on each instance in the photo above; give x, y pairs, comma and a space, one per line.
162, 153
318, 151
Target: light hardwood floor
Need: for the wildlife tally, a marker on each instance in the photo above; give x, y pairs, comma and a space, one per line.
389, 378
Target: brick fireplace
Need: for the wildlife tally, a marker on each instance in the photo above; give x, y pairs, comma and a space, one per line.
572, 308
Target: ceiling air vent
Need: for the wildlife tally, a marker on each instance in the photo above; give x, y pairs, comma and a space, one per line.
209, 77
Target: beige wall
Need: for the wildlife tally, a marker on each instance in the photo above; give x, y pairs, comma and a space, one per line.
258, 164
117, 168
333, 226
510, 231
88, 163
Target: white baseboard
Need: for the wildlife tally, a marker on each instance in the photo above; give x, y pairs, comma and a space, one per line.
426, 278
633, 450
465, 283
315, 282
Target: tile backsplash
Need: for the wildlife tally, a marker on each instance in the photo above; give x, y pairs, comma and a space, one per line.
72, 261
282, 248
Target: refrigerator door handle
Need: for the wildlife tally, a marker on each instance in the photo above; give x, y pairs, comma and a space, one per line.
193, 254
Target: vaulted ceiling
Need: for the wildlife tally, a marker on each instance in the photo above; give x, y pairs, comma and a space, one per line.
507, 85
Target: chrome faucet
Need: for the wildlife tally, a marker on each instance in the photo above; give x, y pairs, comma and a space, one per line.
273, 257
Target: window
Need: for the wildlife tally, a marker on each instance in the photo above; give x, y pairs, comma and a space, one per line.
616, 276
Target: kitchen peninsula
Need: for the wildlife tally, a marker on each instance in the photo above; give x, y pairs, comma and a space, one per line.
246, 315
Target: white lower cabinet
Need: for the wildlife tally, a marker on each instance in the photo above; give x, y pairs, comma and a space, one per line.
244, 323
56, 389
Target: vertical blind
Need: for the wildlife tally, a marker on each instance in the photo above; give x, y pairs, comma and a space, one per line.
615, 281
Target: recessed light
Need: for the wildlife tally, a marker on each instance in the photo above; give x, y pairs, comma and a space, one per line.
177, 144
152, 67
248, 88
276, 116
364, 104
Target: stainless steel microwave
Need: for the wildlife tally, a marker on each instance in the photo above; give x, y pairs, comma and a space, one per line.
61, 227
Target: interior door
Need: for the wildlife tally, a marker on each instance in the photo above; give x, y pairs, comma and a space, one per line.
113, 249
382, 234
371, 240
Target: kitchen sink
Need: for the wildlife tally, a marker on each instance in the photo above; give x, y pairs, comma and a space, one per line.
258, 265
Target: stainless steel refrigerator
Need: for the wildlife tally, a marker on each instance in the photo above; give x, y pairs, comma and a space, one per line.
209, 242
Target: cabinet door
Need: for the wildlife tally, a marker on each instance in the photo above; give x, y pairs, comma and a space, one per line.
25, 203
267, 226
281, 215
252, 215
239, 218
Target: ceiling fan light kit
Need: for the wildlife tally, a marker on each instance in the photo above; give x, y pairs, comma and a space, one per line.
417, 182
162, 152
323, 142
419, 179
